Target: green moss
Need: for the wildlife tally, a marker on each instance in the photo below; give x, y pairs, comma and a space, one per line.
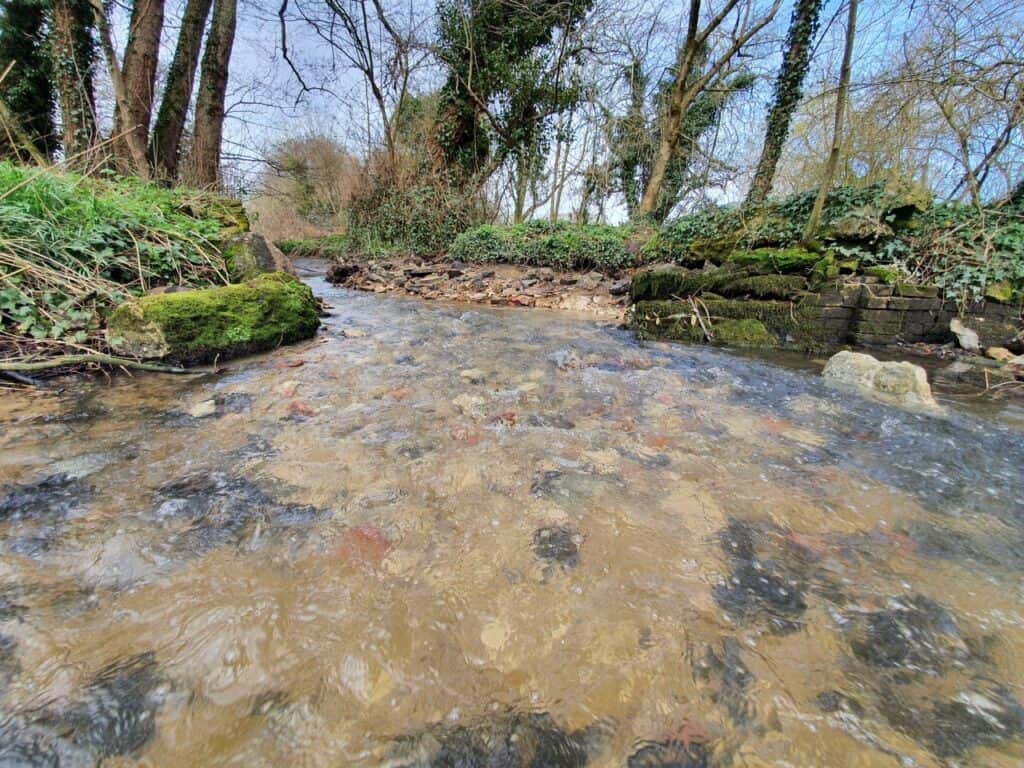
1001, 292
743, 333
764, 286
888, 275
776, 259
826, 268
196, 326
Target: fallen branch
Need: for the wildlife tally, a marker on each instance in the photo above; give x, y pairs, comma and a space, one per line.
62, 360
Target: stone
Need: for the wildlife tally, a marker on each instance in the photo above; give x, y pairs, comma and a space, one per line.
669, 754
215, 323
114, 714
339, 272
557, 545
470, 405
903, 383
966, 338
502, 740
914, 635
249, 255
1001, 292
473, 375
758, 587
1001, 354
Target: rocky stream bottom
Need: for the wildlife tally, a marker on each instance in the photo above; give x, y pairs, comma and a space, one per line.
439, 535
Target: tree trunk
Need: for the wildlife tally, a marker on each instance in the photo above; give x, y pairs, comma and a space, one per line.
522, 184
679, 101
685, 89
788, 92
134, 143
814, 221
74, 56
27, 89
139, 70
165, 141
203, 165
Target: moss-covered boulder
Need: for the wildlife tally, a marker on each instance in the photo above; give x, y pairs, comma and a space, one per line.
227, 321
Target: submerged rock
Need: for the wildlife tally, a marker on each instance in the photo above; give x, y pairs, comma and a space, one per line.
980, 715
669, 754
220, 509
557, 545
51, 499
112, 715
37, 512
509, 740
726, 670
758, 588
912, 634
9, 666
226, 321
902, 383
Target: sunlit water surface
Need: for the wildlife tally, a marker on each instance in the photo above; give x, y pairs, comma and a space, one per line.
443, 535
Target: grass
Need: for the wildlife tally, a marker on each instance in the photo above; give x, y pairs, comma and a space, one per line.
73, 247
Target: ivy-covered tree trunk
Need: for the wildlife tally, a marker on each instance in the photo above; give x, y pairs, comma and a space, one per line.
139, 71
203, 165
788, 92
169, 126
842, 97
701, 117
74, 56
27, 91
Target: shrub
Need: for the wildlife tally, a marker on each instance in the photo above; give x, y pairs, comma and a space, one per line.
557, 245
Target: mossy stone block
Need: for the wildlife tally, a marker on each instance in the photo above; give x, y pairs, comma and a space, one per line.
226, 321
783, 260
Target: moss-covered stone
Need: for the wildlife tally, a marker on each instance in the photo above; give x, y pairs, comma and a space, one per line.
764, 286
888, 275
783, 260
1001, 292
743, 333
227, 321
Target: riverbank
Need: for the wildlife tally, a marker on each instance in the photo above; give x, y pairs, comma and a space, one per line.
859, 312
603, 296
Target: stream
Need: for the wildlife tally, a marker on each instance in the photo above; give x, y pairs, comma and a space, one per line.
443, 535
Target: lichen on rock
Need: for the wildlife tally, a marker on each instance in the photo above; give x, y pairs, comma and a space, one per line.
899, 382
226, 321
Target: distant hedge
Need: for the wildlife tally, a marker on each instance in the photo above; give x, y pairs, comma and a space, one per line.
557, 245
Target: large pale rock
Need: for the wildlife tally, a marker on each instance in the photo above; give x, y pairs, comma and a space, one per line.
966, 337
902, 383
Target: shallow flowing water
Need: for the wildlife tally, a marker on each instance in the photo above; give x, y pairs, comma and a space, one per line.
454, 536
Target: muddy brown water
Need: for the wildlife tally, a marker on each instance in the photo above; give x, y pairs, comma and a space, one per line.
449, 536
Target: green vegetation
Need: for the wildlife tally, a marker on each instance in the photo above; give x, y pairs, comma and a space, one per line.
329, 247
72, 247
226, 321
537, 243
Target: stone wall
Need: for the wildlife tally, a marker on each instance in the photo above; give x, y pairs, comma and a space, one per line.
855, 309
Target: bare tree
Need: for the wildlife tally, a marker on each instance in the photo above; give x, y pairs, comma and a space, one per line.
686, 88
